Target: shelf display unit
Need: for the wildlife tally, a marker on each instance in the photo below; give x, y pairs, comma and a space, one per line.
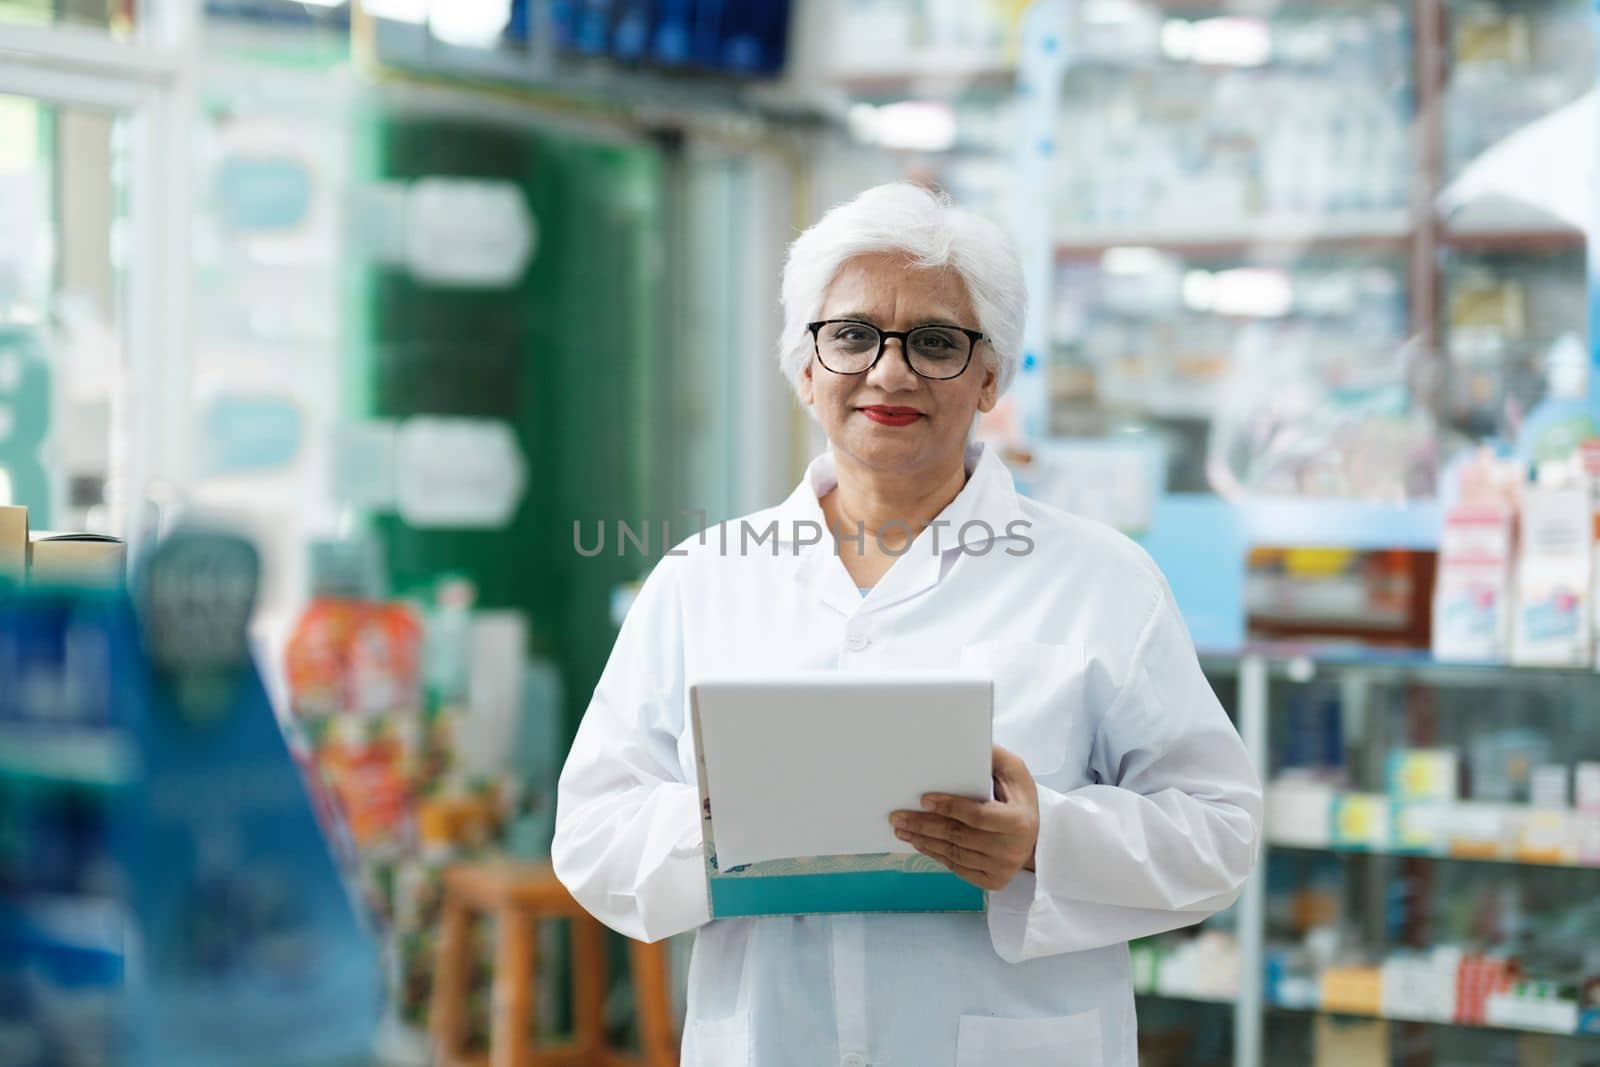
1426, 892
1370, 249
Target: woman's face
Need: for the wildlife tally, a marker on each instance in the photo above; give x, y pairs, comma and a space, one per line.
886, 290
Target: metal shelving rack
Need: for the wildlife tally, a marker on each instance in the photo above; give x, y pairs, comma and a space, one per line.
1417, 234
1420, 239
1254, 670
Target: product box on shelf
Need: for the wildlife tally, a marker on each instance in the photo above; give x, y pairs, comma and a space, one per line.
1548, 831
1286, 978
1481, 831
1552, 622
1533, 1005
1589, 460
1589, 1004
1472, 593
1586, 787
1549, 785
1587, 831
1352, 990
1421, 986
1503, 761
1547, 836
76, 559
1299, 811
1586, 801
1477, 979
1361, 820
13, 543
1421, 828
1423, 775
1204, 967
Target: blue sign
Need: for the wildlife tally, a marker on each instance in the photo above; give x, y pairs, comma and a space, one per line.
253, 949
250, 434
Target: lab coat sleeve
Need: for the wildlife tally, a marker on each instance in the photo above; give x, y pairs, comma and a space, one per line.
628, 843
1165, 836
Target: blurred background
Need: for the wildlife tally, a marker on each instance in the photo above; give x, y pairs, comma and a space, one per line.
326, 327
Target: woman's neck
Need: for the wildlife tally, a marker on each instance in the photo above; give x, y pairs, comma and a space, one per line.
891, 508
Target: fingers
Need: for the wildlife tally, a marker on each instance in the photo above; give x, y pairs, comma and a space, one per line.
979, 814
946, 852
950, 831
984, 814
963, 863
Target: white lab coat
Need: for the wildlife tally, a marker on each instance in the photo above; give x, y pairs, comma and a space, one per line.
1149, 809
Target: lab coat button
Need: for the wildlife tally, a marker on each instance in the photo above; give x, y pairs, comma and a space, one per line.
855, 641
853, 1059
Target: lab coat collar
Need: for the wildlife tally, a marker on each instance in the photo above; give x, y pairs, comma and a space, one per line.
989, 498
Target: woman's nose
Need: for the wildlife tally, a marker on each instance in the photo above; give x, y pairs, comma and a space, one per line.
893, 371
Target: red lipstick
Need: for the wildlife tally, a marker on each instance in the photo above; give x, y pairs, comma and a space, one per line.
889, 415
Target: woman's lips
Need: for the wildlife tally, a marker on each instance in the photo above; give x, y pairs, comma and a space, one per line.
891, 416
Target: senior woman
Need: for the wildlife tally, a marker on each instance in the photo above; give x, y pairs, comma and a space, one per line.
1125, 804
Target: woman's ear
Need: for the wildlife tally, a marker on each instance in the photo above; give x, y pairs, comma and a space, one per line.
989, 392
803, 386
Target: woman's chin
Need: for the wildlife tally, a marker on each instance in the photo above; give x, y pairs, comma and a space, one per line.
888, 447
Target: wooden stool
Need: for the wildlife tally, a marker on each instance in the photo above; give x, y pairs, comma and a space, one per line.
519, 895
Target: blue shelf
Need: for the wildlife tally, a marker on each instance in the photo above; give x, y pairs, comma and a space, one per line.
1294, 521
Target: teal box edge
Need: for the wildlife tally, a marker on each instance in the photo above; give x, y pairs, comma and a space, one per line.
842, 891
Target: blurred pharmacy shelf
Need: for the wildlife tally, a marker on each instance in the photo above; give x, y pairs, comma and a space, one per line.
1557, 1026
1196, 998
1203, 244
1380, 229
954, 74
1387, 764
1531, 239
1484, 857
1302, 662
409, 47
1503, 1028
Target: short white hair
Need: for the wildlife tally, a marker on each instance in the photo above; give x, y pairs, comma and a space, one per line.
931, 232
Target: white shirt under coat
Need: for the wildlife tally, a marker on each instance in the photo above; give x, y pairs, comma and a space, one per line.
1149, 809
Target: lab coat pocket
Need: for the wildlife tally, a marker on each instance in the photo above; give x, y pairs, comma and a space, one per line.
1038, 699
1058, 1041
720, 1042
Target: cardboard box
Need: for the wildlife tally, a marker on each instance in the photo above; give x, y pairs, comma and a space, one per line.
77, 559
1361, 820
13, 543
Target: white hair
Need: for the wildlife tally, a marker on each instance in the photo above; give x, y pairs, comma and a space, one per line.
932, 233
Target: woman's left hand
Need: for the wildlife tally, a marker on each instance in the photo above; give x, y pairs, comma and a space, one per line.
985, 842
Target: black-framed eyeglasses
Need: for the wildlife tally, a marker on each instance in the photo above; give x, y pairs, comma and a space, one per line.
849, 346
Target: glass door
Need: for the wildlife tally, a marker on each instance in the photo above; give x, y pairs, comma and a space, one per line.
63, 345
92, 302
